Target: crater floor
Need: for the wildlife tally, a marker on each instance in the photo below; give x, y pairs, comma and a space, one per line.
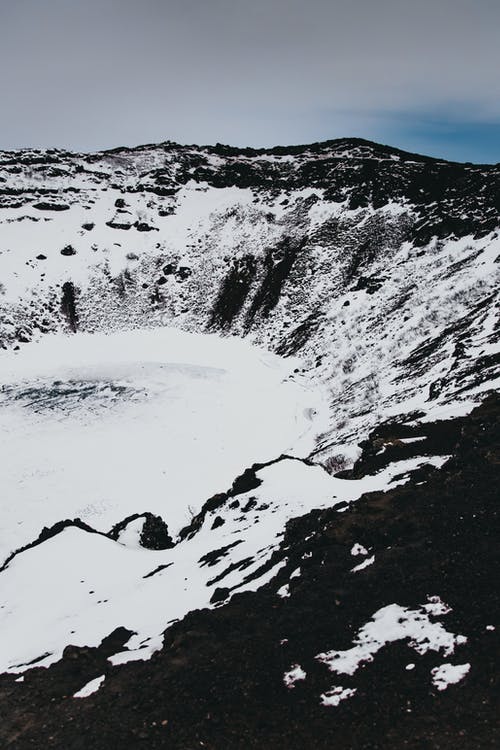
100, 427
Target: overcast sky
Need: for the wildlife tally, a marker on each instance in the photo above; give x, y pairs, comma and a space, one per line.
88, 74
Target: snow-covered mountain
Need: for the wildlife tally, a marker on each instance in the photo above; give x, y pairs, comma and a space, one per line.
335, 309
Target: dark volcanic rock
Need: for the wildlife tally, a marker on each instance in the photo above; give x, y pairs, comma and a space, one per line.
234, 292
143, 226
278, 264
243, 483
44, 206
119, 224
220, 595
68, 250
154, 534
68, 304
218, 681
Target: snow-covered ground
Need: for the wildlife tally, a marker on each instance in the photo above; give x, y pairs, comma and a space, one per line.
104, 426
100, 427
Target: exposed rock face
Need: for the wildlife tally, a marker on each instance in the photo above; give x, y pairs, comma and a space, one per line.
68, 305
153, 532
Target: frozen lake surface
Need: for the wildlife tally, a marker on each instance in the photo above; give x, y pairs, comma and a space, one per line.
101, 426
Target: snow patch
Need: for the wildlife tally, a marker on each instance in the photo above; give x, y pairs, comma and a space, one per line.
358, 549
388, 625
448, 674
294, 674
131, 534
91, 687
284, 591
364, 564
335, 695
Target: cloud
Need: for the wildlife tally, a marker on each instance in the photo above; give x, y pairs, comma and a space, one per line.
103, 72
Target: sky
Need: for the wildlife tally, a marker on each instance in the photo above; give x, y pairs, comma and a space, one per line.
422, 75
